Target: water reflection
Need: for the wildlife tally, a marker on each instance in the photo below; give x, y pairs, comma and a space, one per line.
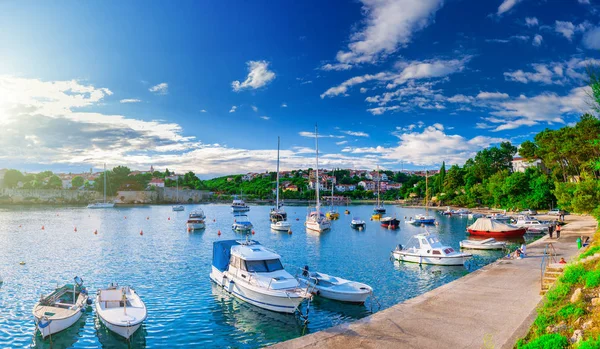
64, 339
109, 339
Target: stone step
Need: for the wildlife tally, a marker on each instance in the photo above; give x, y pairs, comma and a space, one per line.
553, 273
543, 292
556, 266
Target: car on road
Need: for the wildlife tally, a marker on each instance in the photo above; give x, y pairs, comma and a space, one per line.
529, 212
556, 212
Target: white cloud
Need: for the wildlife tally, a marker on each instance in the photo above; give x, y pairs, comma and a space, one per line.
160, 89
336, 66
558, 73
284, 105
406, 71
259, 75
356, 133
531, 21
341, 142
254, 108
312, 135
203, 111
591, 39
491, 95
389, 24
568, 29
537, 40
130, 100
265, 117
233, 109
363, 90
460, 98
381, 110
546, 108
506, 5
586, 2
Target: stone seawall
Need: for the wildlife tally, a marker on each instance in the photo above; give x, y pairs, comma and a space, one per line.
47, 196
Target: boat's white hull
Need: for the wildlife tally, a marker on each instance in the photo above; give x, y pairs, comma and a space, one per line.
358, 225
415, 258
241, 228
281, 226
476, 246
57, 325
318, 227
346, 297
240, 209
178, 208
195, 226
282, 303
101, 205
123, 331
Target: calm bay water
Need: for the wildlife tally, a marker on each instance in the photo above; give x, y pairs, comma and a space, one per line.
169, 268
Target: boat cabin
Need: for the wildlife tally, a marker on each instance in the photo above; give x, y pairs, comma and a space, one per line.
433, 246
198, 214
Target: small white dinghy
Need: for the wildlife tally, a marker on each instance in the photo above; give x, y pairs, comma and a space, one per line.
61, 308
487, 244
334, 287
120, 309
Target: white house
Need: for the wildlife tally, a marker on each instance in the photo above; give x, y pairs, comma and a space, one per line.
345, 187
368, 185
157, 182
312, 186
373, 176
521, 164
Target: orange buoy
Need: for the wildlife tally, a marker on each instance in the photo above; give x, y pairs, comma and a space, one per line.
125, 217
96, 232
253, 232
43, 227
148, 218
214, 220
75, 230
169, 218
141, 232
189, 229
290, 232
219, 233
19, 225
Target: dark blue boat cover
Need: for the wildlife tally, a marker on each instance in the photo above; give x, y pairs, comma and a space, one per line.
222, 252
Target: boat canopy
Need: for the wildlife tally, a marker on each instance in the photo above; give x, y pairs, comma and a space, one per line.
222, 252
254, 252
488, 224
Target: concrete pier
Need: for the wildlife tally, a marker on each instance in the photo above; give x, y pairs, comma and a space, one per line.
489, 308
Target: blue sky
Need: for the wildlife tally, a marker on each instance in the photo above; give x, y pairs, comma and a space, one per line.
208, 86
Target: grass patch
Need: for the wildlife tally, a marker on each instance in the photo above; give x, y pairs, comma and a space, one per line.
574, 274
557, 293
590, 251
547, 341
590, 344
571, 312
592, 279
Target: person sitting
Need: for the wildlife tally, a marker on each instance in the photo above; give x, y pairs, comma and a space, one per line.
562, 261
523, 250
518, 253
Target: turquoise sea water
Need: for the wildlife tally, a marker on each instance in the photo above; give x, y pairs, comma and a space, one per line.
169, 268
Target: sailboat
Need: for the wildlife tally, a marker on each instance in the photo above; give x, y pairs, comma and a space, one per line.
315, 220
277, 215
103, 204
379, 209
332, 213
424, 218
178, 207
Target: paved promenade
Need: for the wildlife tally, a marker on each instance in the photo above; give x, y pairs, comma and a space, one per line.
489, 308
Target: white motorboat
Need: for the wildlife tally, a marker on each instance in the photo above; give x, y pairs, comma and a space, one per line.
461, 212
254, 274
196, 220
358, 223
103, 204
499, 217
61, 308
475, 215
178, 208
281, 226
421, 219
315, 220
120, 309
487, 244
241, 223
334, 287
238, 205
430, 251
533, 225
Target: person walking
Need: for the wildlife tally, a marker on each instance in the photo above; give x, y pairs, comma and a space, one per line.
558, 232
550, 230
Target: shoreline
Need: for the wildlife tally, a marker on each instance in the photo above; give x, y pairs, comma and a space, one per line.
437, 319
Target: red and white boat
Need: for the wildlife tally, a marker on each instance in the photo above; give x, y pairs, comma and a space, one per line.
491, 228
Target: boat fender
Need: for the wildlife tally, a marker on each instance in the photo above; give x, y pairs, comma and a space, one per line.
44, 322
89, 301
400, 247
305, 271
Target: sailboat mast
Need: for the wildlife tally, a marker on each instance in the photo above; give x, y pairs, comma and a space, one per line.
317, 172
277, 184
104, 183
426, 190
378, 186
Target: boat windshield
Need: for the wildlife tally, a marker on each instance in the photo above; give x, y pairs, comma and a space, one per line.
267, 266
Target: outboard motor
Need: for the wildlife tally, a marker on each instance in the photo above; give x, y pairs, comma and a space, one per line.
305, 271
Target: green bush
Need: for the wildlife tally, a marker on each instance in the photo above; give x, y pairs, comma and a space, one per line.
574, 274
571, 311
592, 279
557, 293
541, 322
590, 251
547, 341
589, 344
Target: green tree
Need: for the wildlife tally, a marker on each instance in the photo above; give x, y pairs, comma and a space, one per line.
77, 182
54, 182
12, 178
528, 150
